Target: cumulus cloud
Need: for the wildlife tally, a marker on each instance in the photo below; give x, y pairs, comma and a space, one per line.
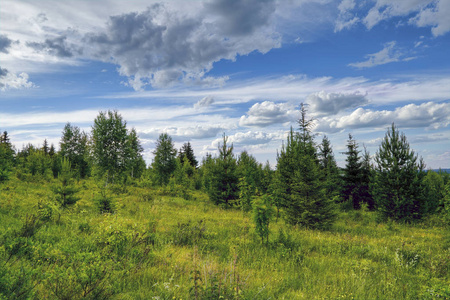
421, 13
55, 46
428, 115
248, 139
161, 46
9, 80
323, 103
185, 133
5, 43
241, 17
204, 102
390, 53
268, 113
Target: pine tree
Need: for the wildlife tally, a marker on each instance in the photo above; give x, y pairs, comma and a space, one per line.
352, 174
164, 162
66, 189
223, 181
398, 187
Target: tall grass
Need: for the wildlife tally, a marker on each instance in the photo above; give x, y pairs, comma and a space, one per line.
158, 246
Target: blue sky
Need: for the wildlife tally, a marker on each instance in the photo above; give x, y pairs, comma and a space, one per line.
198, 69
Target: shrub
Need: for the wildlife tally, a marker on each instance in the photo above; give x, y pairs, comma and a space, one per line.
104, 202
188, 233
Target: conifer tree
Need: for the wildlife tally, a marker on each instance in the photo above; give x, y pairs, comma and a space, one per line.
164, 162
186, 150
66, 189
45, 147
305, 201
6, 157
366, 177
329, 169
352, 174
262, 214
397, 186
223, 181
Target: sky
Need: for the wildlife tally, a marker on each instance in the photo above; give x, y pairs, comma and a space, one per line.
200, 69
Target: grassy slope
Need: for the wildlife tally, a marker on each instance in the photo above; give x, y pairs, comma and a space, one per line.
172, 248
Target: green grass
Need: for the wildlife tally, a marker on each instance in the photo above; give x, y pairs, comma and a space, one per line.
156, 246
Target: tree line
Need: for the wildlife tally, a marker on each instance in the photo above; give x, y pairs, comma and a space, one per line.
307, 188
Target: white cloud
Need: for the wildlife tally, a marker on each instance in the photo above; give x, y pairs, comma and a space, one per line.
426, 115
186, 133
246, 140
11, 81
204, 102
390, 53
268, 113
323, 103
421, 13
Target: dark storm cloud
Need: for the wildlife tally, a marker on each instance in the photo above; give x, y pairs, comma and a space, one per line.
241, 17
56, 46
5, 43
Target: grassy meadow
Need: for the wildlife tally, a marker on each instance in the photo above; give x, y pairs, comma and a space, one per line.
169, 243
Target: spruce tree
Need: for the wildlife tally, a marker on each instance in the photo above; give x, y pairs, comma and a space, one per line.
223, 185
329, 169
366, 177
305, 201
352, 174
165, 160
6, 157
186, 150
397, 186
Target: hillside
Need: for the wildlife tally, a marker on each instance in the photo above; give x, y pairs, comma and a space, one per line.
157, 245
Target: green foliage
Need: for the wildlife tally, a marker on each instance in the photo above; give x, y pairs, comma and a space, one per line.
245, 194
104, 202
65, 189
397, 186
329, 169
188, 233
6, 157
446, 203
298, 187
352, 174
135, 161
74, 147
165, 161
196, 250
434, 190
187, 151
109, 144
222, 176
262, 214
